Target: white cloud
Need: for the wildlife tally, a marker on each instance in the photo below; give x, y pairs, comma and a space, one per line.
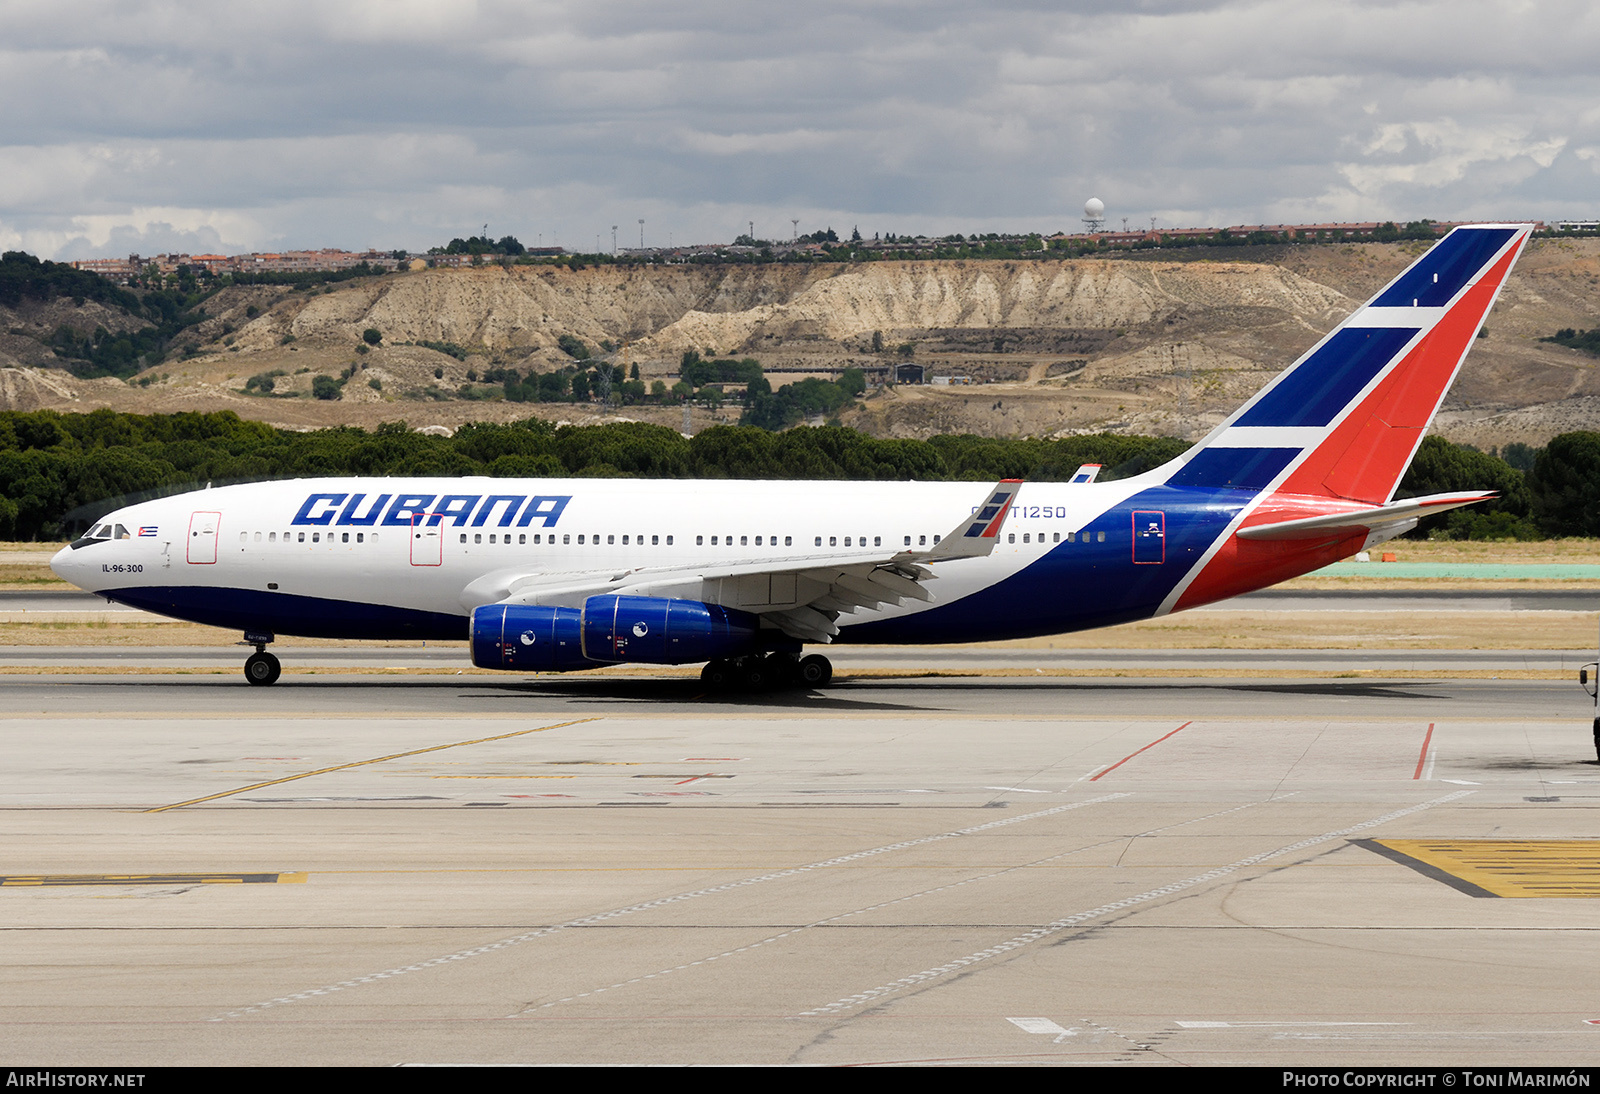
404, 122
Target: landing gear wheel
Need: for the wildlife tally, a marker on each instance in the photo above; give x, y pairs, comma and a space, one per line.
816, 671
262, 668
717, 675
758, 675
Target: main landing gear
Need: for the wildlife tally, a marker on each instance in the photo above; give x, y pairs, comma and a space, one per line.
261, 668
767, 672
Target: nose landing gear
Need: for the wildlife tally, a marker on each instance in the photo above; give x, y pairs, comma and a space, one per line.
261, 668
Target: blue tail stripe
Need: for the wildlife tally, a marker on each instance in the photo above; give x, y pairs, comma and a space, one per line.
1322, 385
1441, 273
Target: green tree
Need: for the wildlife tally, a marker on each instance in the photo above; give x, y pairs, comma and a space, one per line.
1565, 485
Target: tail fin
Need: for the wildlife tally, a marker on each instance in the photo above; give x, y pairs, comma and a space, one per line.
1345, 420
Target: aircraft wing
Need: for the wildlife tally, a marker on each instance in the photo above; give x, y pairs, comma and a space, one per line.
1379, 518
801, 594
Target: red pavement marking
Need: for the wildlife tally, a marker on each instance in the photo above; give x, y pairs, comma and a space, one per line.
1422, 759
1131, 755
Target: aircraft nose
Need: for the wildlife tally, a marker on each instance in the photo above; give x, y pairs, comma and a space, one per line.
67, 567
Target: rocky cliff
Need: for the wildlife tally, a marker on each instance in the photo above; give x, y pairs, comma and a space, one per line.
1153, 343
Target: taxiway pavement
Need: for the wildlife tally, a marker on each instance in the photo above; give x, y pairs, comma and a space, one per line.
374, 869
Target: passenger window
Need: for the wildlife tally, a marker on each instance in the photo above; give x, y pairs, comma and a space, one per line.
244, 536
610, 540
1100, 537
477, 537
833, 541
302, 537
653, 540
272, 537
922, 541
1057, 538
699, 541
624, 541
669, 541
1012, 538
819, 541
877, 541
744, 541
1072, 537
788, 541
566, 539
344, 537
463, 537
361, 537
758, 541
522, 537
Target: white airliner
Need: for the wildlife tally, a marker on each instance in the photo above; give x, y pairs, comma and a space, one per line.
560, 574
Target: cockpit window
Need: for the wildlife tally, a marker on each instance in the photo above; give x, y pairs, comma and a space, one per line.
100, 533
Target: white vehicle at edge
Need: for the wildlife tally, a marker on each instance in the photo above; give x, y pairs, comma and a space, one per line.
559, 574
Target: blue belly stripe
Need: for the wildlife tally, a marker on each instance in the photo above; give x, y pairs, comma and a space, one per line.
286, 613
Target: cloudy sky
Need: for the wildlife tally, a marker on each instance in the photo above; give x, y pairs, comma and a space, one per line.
142, 125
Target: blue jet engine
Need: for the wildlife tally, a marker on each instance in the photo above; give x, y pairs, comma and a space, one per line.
610, 630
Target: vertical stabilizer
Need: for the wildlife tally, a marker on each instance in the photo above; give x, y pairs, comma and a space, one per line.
1345, 419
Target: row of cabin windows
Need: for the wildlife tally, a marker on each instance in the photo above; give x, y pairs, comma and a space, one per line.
655, 541
1072, 537
316, 537
522, 537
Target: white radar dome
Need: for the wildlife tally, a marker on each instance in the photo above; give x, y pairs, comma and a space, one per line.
1094, 208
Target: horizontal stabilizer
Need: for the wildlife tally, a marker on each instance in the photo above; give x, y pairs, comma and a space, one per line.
1399, 512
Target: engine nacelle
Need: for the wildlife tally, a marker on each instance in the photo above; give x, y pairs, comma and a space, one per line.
659, 631
533, 639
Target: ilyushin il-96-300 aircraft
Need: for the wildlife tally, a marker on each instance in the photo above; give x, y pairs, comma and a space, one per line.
560, 574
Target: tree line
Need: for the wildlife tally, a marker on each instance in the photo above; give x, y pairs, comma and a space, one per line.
59, 472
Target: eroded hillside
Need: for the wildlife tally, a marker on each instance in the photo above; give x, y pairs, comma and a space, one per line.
1148, 344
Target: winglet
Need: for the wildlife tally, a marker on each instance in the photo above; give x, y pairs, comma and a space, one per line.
977, 534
